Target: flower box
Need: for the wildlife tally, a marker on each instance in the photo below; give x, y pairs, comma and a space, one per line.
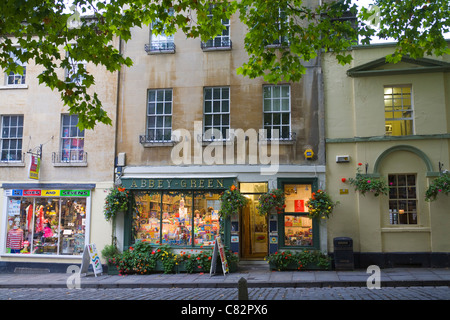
112, 269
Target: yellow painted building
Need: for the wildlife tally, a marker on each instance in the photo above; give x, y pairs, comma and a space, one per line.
392, 122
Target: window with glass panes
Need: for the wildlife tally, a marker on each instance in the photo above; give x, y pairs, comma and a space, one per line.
277, 111
398, 110
11, 138
223, 39
162, 41
17, 78
72, 139
297, 225
177, 217
216, 113
159, 115
402, 199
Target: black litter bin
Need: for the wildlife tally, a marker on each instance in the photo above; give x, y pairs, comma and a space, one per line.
343, 253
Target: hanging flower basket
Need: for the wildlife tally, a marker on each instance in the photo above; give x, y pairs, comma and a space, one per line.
271, 200
118, 199
320, 205
440, 185
231, 202
365, 184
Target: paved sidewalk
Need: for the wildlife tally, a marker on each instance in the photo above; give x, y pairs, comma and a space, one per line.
255, 276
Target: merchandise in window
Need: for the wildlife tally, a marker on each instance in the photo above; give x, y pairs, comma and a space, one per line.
298, 227
177, 218
48, 226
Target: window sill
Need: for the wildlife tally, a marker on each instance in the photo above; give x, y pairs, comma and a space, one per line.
216, 49
277, 141
70, 164
158, 144
14, 86
12, 164
37, 256
405, 228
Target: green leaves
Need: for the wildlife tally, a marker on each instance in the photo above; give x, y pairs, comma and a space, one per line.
282, 35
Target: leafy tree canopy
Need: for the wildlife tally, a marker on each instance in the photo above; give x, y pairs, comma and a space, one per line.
281, 35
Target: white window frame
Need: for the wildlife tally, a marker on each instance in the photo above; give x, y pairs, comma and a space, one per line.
157, 109
18, 136
221, 41
17, 79
215, 113
273, 108
74, 154
73, 69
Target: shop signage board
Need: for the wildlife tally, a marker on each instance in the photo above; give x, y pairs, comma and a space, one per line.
219, 249
178, 184
90, 256
49, 193
35, 165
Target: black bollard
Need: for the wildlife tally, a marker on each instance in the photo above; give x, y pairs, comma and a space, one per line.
242, 289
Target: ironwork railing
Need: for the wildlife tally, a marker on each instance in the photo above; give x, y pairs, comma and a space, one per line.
160, 47
217, 44
73, 156
143, 139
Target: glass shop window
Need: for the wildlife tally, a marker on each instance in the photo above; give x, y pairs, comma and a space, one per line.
47, 226
177, 218
298, 228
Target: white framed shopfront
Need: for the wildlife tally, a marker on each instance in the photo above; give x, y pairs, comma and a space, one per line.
79, 196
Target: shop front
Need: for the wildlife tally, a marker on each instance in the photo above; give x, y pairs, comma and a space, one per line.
45, 220
184, 214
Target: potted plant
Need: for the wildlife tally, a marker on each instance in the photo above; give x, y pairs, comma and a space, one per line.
440, 185
109, 252
274, 199
320, 205
363, 184
231, 202
299, 260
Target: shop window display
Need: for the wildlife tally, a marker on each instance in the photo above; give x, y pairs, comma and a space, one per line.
48, 226
177, 218
298, 227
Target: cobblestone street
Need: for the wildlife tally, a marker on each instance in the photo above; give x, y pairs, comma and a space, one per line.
335, 293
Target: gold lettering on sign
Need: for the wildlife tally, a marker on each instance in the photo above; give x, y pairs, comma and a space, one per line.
183, 183
210, 183
160, 184
151, 183
219, 183
193, 183
168, 183
143, 183
133, 184
200, 184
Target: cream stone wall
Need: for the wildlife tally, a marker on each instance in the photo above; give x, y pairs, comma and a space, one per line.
188, 71
42, 110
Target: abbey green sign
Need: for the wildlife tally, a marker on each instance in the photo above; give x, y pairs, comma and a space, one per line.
177, 183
